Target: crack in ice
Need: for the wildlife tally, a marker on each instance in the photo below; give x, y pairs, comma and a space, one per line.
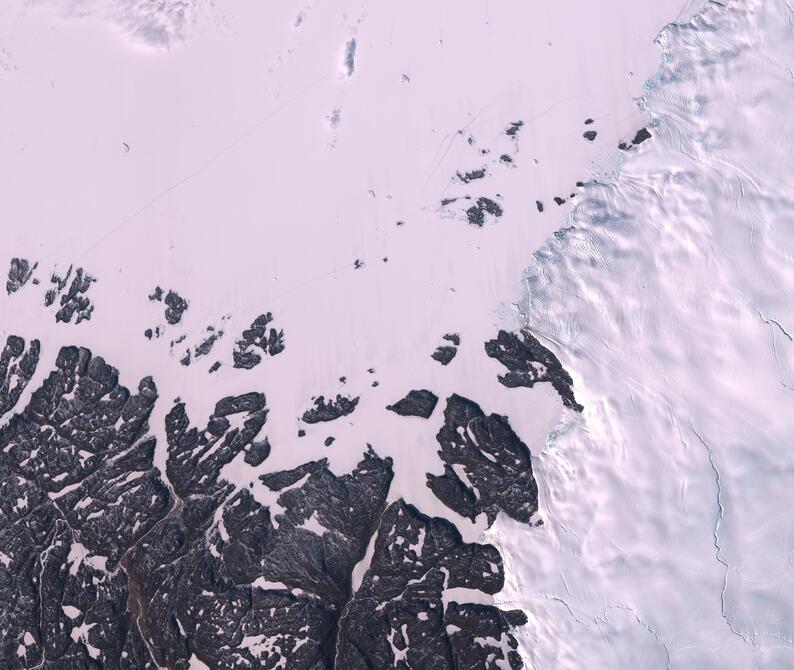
599, 618
717, 523
772, 323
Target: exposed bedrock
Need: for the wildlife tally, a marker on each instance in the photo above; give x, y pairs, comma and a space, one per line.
19, 273
528, 362
487, 468
106, 564
260, 339
77, 490
17, 366
73, 301
398, 618
175, 304
330, 410
419, 403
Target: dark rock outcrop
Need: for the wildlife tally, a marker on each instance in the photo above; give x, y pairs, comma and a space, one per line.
196, 457
175, 307
16, 369
475, 214
77, 490
513, 128
452, 337
226, 581
330, 410
205, 346
104, 565
496, 465
641, 135
529, 362
73, 303
444, 354
261, 336
175, 304
416, 403
257, 452
471, 175
397, 617
19, 274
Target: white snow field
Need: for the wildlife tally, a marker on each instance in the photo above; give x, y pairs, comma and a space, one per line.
237, 155
669, 540
251, 156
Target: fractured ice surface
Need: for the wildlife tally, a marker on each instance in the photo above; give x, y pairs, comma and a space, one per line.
668, 542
